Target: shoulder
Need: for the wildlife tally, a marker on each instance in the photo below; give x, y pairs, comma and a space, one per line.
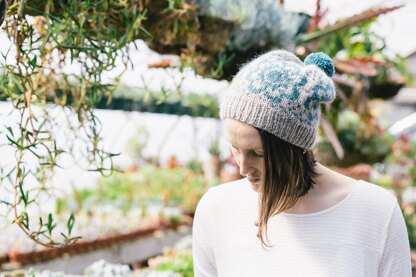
237, 186
372, 191
225, 192
227, 196
376, 200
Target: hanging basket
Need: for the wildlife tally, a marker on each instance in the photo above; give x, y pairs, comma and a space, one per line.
384, 90
358, 171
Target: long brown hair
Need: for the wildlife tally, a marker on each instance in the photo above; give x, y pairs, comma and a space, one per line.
289, 174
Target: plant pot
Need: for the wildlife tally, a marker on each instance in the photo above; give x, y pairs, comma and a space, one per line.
212, 168
329, 158
358, 171
4, 259
384, 90
23, 258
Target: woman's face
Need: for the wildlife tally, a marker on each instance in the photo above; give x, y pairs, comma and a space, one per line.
247, 149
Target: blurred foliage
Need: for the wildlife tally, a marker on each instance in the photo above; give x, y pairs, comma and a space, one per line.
214, 148
163, 184
362, 142
315, 34
166, 101
364, 70
360, 42
258, 23
137, 143
150, 184
196, 166
399, 174
182, 264
357, 41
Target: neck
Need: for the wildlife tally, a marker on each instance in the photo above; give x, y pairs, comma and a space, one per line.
330, 188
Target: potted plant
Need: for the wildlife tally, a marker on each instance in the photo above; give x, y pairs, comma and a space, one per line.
362, 141
398, 174
212, 166
360, 53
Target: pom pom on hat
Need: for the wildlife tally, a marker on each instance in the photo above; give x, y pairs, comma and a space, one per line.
321, 60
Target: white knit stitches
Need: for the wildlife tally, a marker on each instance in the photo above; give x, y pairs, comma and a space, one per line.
363, 235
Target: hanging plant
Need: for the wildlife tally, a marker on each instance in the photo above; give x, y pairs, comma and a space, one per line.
48, 36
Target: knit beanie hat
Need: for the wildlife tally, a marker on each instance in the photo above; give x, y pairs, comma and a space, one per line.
280, 94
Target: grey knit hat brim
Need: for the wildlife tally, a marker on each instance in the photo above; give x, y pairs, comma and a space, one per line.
256, 111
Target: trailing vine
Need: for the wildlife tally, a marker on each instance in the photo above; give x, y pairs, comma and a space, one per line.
47, 37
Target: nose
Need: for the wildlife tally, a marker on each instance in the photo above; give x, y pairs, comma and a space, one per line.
245, 165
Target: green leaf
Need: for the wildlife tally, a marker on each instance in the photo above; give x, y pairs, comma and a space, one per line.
25, 220
145, 32
23, 195
70, 224
50, 225
10, 131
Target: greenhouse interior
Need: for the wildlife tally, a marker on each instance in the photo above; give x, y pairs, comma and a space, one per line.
111, 131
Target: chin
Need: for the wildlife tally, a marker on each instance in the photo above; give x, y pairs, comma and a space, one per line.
255, 186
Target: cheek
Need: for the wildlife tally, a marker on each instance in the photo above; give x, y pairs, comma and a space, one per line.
236, 156
260, 165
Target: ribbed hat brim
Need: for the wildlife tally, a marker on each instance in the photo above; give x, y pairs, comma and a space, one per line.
255, 111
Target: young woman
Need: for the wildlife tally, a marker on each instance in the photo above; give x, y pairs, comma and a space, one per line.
292, 216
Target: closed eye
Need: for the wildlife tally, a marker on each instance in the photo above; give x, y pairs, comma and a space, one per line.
250, 152
260, 155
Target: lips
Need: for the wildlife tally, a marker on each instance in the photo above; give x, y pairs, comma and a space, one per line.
253, 180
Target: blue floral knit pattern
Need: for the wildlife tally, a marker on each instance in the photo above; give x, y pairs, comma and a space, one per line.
292, 88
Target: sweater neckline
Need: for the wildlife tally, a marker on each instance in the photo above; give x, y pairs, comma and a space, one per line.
327, 210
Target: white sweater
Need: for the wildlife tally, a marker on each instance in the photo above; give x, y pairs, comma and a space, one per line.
363, 235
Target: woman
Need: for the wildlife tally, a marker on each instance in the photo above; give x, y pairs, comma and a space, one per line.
292, 216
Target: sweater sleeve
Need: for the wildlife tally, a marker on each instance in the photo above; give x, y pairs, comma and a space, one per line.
203, 254
396, 259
